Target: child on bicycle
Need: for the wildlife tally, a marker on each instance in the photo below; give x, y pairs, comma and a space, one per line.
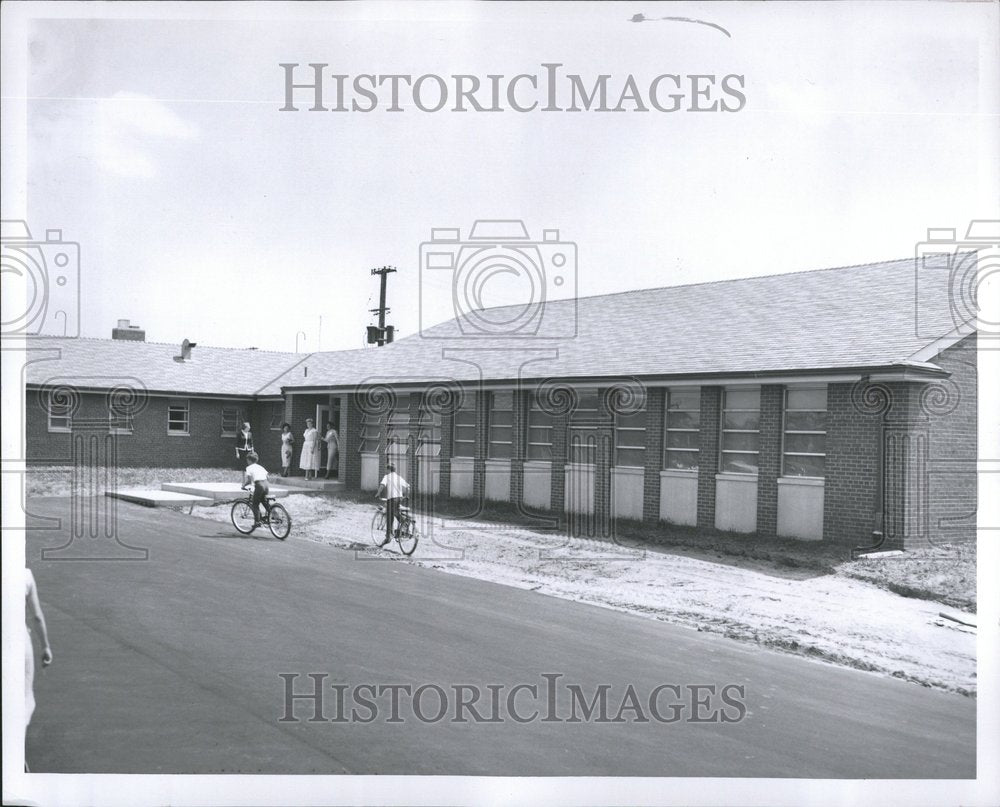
256, 475
395, 489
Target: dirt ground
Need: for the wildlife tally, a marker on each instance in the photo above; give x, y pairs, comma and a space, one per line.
828, 617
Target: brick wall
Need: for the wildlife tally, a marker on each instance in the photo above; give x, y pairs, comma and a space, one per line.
560, 421
952, 409
519, 437
655, 405
769, 459
708, 453
149, 445
853, 432
483, 402
350, 441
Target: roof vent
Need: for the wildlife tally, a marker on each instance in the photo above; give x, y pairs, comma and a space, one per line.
186, 346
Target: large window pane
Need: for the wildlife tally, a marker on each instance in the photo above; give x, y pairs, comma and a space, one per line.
684, 400
808, 399
582, 446
743, 421
739, 463
630, 437
805, 421
501, 433
683, 440
740, 430
682, 420
804, 446
741, 441
804, 466
682, 460
743, 399
683, 417
428, 430
630, 458
464, 432
539, 432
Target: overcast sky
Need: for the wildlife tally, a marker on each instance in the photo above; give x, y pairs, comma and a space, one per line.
204, 212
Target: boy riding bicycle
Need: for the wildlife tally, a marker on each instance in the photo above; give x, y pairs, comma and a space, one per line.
256, 475
396, 489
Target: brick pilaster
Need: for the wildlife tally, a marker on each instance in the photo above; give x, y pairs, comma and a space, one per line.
655, 405
708, 454
769, 459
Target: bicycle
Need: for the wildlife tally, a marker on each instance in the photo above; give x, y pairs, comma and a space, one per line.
407, 534
275, 517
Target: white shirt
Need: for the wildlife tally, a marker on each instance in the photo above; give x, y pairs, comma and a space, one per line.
256, 473
395, 486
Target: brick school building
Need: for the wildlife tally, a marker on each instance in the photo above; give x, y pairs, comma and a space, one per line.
817, 405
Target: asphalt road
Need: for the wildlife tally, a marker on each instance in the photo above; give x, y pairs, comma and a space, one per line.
173, 664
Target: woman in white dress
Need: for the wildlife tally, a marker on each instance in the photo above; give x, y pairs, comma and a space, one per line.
308, 459
287, 441
33, 608
332, 450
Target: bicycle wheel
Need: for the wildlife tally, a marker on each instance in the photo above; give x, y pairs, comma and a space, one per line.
279, 521
242, 516
408, 536
378, 528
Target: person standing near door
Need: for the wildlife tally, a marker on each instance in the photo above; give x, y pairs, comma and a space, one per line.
287, 443
308, 459
332, 441
244, 445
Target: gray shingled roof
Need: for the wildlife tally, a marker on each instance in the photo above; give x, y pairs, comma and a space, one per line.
852, 317
105, 363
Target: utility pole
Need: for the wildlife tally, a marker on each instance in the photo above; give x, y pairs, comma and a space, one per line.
383, 334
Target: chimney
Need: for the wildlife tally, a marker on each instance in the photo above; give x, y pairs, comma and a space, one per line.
186, 346
128, 333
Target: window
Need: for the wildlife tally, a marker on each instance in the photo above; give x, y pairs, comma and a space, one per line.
582, 441
539, 445
501, 444
178, 416
804, 451
681, 435
740, 431
277, 415
231, 421
464, 430
60, 411
369, 437
428, 430
120, 417
397, 430
630, 435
